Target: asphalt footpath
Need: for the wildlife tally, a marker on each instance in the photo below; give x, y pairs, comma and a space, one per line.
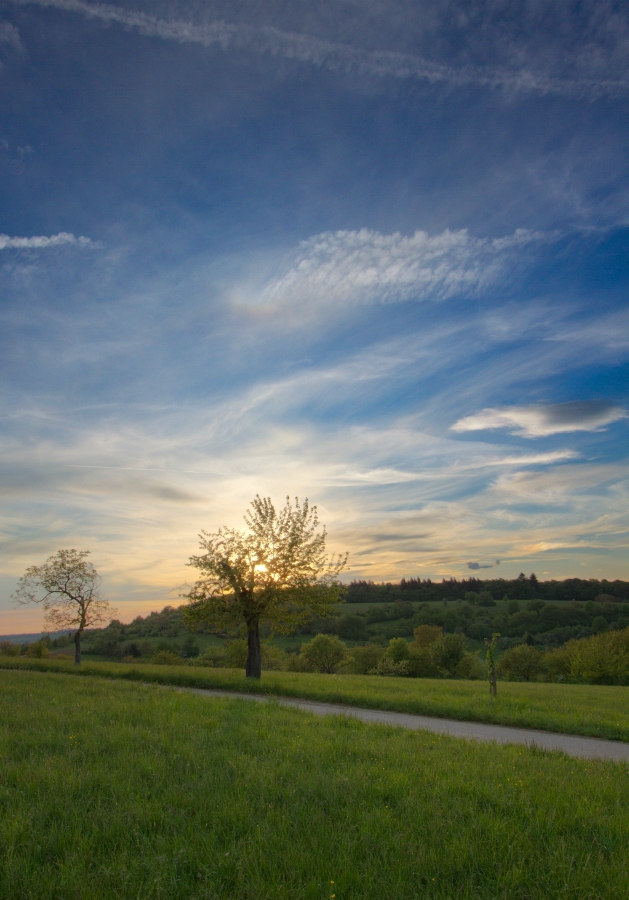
571, 744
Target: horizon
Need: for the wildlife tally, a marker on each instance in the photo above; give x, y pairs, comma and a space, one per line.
471, 578
373, 255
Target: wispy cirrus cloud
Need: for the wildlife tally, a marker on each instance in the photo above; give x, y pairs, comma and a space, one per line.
541, 420
136, 488
361, 266
338, 56
42, 241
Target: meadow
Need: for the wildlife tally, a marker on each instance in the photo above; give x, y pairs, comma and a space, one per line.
120, 790
594, 710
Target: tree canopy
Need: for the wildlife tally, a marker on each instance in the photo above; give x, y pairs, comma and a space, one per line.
276, 573
68, 587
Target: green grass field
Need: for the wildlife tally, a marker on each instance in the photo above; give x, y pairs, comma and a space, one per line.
121, 791
572, 708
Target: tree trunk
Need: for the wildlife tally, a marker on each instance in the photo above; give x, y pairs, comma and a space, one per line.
77, 649
254, 656
493, 687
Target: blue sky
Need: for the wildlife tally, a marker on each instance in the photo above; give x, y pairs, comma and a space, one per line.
370, 253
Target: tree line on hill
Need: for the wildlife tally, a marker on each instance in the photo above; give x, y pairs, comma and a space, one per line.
520, 588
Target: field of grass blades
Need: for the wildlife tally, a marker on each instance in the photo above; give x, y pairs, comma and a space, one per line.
120, 791
592, 710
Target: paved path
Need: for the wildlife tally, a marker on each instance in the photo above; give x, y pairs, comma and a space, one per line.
572, 744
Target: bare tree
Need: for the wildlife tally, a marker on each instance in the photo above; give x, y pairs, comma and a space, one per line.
68, 587
277, 573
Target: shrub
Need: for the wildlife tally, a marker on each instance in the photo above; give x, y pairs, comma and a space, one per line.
447, 652
297, 663
8, 648
484, 598
521, 663
397, 650
599, 623
351, 628
466, 612
324, 653
273, 657
38, 649
450, 621
600, 659
235, 654
388, 666
557, 664
536, 605
471, 668
361, 660
213, 658
425, 635
420, 663
190, 647
166, 658
478, 631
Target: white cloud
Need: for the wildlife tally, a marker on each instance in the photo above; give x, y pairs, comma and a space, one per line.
10, 35
337, 56
536, 459
606, 333
543, 420
41, 241
358, 266
137, 486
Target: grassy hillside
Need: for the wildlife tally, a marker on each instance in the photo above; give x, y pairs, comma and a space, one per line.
114, 790
572, 708
546, 614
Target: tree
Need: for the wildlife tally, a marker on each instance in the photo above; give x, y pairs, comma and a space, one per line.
425, 635
352, 628
38, 650
276, 574
521, 663
447, 652
362, 659
68, 587
398, 649
421, 663
600, 659
324, 653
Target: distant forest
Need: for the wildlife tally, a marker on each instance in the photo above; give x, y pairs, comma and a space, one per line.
520, 588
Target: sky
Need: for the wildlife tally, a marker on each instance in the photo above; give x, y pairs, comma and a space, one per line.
370, 253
